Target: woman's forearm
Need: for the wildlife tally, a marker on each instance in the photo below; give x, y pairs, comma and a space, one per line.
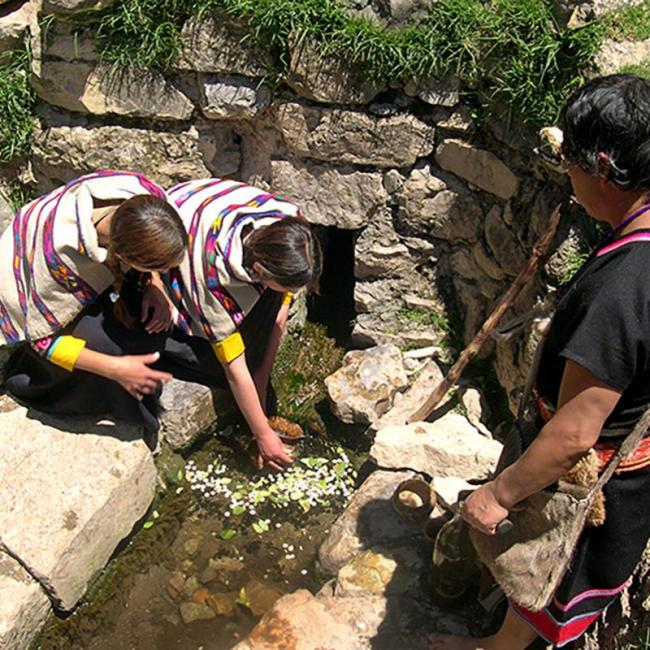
584, 404
274, 342
98, 363
551, 455
245, 394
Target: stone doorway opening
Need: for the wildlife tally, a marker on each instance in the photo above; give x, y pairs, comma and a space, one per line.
333, 306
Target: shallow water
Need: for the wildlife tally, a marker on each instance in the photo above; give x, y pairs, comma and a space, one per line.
190, 559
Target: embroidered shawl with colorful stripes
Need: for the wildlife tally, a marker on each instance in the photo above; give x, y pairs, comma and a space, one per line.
51, 264
212, 290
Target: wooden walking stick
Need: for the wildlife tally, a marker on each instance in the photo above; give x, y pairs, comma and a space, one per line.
539, 251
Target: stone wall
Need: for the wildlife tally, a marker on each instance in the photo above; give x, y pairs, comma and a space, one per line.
444, 209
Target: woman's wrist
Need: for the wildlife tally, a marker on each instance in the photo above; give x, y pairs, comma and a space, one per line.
503, 494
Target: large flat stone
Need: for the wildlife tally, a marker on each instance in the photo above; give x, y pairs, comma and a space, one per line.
189, 410
382, 571
428, 206
353, 137
342, 197
101, 90
233, 97
24, 607
15, 20
450, 446
408, 402
212, 44
362, 389
62, 153
368, 521
478, 166
300, 622
71, 489
328, 79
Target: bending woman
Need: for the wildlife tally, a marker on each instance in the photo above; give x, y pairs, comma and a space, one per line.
594, 375
248, 252
79, 282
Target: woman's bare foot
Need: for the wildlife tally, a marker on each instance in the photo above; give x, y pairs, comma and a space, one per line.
455, 642
514, 634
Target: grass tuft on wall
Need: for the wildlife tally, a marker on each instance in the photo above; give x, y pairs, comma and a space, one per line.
16, 104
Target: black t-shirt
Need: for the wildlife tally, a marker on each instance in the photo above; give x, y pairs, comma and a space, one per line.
603, 324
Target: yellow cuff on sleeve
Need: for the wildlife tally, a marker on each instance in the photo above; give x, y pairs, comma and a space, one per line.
65, 351
287, 298
230, 348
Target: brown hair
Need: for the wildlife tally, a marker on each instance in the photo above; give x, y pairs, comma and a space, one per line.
287, 251
145, 231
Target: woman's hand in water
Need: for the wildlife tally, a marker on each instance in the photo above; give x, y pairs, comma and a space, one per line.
155, 300
271, 451
133, 373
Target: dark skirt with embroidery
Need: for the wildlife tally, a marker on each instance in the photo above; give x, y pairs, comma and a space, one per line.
603, 562
41, 385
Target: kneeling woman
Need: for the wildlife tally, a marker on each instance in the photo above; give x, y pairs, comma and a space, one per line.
593, 380
65, 259
248, 252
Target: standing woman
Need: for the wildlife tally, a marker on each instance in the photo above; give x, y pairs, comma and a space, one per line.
248, 252
593, 380
79, 282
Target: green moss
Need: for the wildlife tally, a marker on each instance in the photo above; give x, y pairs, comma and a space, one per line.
631, 23
16, 104
114, 584
302, 364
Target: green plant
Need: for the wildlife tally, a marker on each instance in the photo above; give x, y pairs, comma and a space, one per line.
16, 104
511, 49
144, 33
301, 366
425, 318
18, 195
573, 261
631, 23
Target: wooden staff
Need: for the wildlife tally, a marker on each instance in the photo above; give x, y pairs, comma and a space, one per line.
539, 251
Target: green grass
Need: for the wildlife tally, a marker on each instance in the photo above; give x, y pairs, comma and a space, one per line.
144, 33
631, 23
640, 69
16, 104
19, 195
512, 50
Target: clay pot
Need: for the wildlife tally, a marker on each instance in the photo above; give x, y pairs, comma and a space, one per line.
413, 500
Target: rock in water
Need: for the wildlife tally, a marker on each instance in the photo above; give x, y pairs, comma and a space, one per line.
363, 388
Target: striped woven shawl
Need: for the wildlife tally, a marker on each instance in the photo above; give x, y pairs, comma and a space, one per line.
211, 290
51, 264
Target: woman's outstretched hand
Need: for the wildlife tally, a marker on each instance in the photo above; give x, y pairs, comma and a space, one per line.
133, 373
271, 451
